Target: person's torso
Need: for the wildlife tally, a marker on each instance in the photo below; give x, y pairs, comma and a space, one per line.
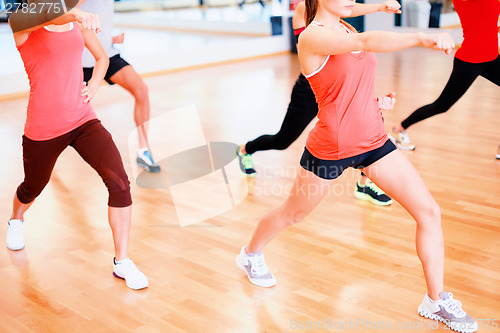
52, 61
105, 10
479, 19
349, 120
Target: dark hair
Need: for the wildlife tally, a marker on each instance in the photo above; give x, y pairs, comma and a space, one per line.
312, 9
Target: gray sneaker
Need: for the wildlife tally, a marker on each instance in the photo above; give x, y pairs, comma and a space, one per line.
256, 269
449, 311
146, 161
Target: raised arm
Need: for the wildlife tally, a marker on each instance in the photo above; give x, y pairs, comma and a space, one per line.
389, 6
39, 13
23, 22
326, 41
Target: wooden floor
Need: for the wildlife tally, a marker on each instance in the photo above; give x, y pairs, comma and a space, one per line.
349, 265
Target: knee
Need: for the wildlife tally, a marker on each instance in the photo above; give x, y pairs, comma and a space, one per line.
118, 189
294, 218
141, 92
119, 194
282, 144
27, 193
431, 215
440, 106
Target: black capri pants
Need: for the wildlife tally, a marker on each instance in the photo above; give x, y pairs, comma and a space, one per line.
94, 144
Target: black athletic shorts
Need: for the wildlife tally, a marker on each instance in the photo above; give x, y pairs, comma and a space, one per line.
331, 169
115, 64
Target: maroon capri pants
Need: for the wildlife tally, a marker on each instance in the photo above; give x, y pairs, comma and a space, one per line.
94, 144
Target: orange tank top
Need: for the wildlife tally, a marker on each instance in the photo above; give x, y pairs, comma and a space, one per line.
349, 120
53, 62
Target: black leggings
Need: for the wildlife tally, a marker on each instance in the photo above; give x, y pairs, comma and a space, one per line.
462, 77
301, 111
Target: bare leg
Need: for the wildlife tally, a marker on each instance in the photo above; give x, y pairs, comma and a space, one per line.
129, 79
397, 177
363, 179
18, 209
119, 220
306, 194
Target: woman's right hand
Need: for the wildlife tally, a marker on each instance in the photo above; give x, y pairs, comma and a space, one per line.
87, 20
440, 41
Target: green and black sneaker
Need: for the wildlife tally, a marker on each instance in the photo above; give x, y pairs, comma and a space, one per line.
371, 192
246, 163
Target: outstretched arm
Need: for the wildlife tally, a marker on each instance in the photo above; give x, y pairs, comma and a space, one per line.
389, 6
323, 41
317, 42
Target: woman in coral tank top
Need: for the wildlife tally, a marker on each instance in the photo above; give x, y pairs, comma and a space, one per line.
340, 67
478, 56
59, 115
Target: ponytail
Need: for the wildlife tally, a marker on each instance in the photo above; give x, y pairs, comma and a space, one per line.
311, 9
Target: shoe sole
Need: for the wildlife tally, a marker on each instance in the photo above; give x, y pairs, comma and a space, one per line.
147, 167
15, 249
249, 175
138, 288
253, 281
433, 316
366, 197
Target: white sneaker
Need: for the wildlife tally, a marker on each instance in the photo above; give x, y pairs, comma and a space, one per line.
126, 269
498, 153
256, 269
401, 140
449, 311
15, 235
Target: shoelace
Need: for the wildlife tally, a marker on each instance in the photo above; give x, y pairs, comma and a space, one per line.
247, 161
455, 306
375, 188
259, 265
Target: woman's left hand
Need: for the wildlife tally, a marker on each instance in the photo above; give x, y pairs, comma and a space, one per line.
386, 102
88, 92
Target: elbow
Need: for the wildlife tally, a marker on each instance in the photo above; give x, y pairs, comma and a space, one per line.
364, 44
103, 60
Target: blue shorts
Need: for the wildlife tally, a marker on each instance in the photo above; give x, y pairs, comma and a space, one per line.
331, 169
